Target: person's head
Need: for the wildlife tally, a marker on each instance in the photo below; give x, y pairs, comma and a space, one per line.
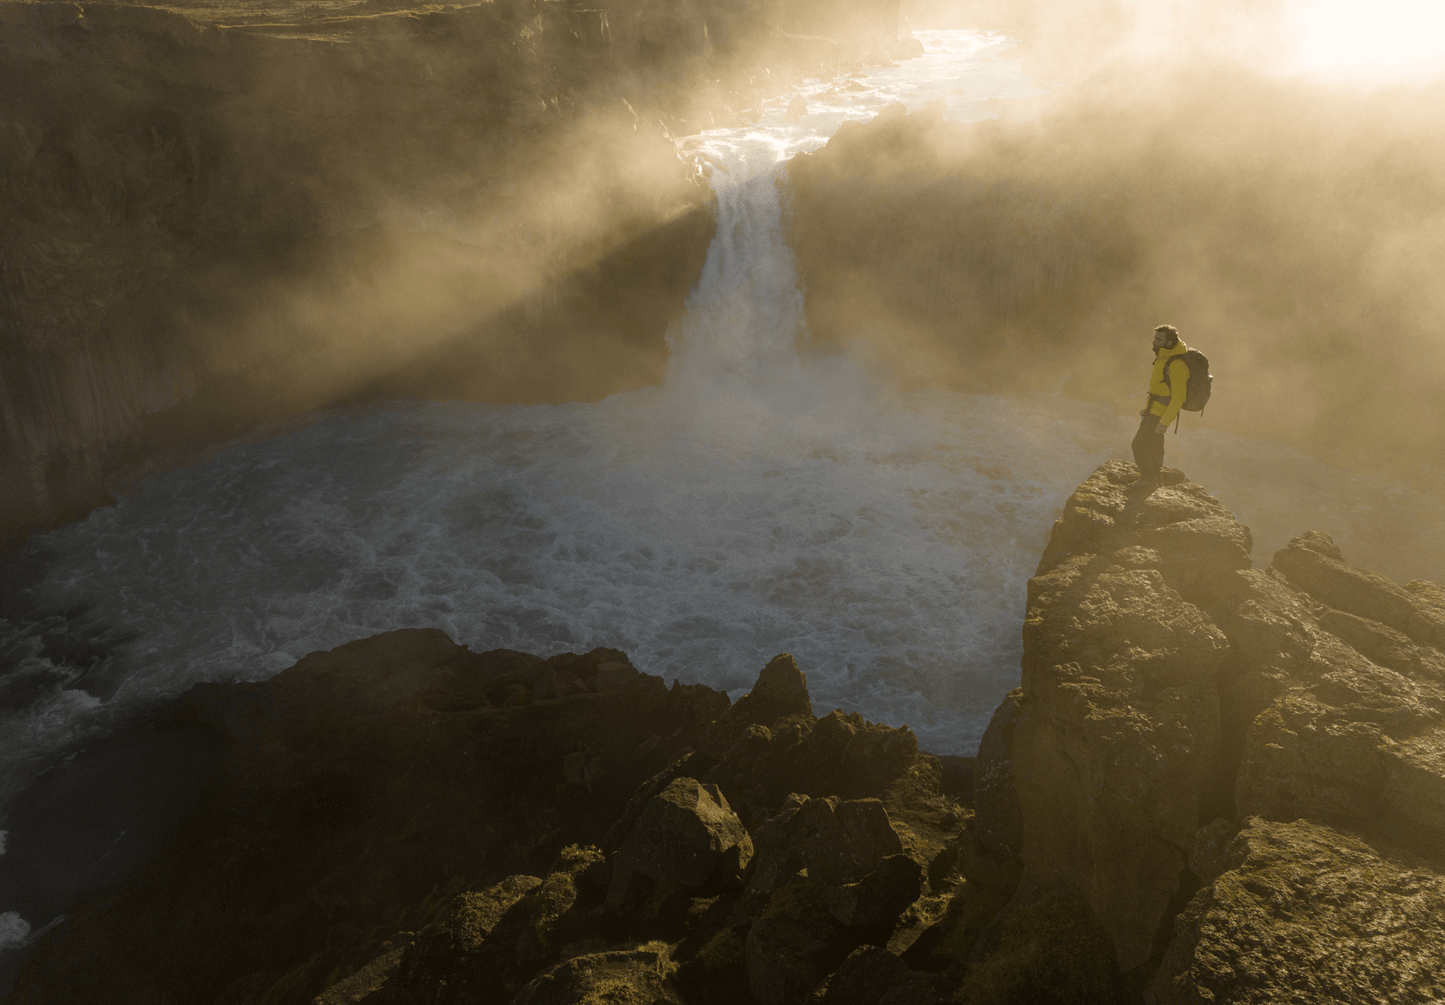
1166, 337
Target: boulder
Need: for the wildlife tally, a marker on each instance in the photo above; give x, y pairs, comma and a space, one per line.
785, 957
847, 755
838, 841
685, 834
1340, 716
559, 910
1306, 913
1314, 564
793, 943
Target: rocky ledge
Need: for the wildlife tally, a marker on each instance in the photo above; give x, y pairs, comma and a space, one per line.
1216, 783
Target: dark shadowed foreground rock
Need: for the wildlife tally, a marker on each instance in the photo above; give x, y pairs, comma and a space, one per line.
687, 833
403, 821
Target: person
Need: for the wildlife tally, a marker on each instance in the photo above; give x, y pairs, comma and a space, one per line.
1166, 397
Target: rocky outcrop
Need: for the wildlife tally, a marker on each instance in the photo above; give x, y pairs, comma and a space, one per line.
402, 820
1215, 783
1212, 775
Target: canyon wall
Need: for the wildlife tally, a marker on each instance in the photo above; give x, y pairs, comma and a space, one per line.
218, 215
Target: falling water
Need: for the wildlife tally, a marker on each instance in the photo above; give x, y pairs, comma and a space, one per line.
766, 498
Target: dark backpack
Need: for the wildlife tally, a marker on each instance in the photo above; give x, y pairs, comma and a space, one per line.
1201, 381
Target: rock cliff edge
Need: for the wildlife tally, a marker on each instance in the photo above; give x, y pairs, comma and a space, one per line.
1215, 783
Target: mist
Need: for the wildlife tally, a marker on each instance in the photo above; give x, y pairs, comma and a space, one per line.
1292, 227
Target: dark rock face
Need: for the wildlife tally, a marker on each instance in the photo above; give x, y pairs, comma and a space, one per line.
400, 820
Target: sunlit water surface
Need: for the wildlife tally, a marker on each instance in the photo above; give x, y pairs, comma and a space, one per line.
761, 501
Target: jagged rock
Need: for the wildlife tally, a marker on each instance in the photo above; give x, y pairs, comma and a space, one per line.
781, 693
557, 911
634, 977
837, 841
615, 675
1341, 717
1178, 529
1432, 595
845, 754
376, 782
1305, 913
1047, 945
793, 944
1313, 564
461, 958
371, 985
991, 855
686, 833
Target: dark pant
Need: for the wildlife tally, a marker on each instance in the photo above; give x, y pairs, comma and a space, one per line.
1149, 449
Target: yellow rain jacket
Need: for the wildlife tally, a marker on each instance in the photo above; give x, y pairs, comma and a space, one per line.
1167, 397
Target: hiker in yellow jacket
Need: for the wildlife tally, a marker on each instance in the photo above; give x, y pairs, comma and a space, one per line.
1166, 397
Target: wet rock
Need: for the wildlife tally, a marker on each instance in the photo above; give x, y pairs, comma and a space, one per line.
687, 832
1307, 913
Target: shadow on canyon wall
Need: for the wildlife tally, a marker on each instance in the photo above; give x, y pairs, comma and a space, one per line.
253, 211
